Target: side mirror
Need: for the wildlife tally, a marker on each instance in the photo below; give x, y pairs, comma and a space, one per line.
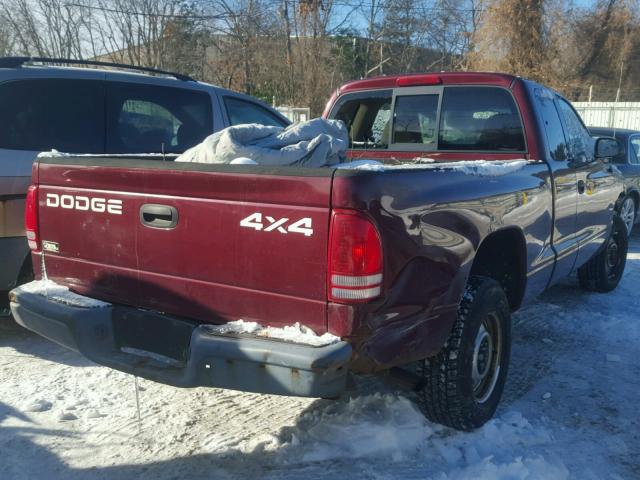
607, 147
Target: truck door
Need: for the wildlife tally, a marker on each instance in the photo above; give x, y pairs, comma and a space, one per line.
597, 185
565, 185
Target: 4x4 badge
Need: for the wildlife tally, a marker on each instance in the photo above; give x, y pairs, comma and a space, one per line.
254, 221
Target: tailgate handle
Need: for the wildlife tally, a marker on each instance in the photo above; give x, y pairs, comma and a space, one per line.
158, 216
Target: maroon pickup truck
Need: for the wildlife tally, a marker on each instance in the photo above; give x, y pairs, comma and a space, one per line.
415, 265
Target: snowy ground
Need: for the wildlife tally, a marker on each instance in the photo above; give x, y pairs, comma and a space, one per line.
570, 410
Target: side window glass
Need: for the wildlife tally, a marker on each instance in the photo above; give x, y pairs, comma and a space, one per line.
552, 125
152, 119
367, 118
242, 111
415, 119
634, 154
45, 114
579, 142
480, 119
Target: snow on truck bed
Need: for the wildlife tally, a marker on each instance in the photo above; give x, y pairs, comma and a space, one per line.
482, 168
570, 411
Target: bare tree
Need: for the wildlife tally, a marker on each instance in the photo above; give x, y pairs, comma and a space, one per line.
44, 27
512, 39
6, 36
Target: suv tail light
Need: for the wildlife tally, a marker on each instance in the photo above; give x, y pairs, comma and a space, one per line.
31, 218
355, 258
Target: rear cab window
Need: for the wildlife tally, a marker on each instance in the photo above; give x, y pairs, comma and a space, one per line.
449, 118
367, 117
143, 118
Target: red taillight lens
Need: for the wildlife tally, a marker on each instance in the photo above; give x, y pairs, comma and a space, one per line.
355, 258
31, 218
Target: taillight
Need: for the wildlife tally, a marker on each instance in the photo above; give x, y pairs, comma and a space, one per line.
31, 218
355, 258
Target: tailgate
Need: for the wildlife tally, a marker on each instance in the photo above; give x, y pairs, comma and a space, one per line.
205, 242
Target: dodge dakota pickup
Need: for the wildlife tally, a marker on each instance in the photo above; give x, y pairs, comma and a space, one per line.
487, 190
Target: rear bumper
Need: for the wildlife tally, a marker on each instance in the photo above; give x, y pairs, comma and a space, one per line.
179, 353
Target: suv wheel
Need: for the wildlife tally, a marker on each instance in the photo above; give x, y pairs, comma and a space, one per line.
462, 385
628, 213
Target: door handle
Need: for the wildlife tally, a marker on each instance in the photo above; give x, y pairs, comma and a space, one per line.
580, 186
158, 216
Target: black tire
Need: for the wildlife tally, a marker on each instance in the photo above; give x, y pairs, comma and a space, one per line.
604, 271
449, 393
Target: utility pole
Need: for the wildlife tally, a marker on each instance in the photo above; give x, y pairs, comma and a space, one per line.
287, 32
617, 98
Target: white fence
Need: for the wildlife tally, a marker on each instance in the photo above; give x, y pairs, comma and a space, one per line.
295, 114
610, 114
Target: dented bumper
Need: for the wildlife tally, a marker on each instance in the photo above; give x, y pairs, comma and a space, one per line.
180, 353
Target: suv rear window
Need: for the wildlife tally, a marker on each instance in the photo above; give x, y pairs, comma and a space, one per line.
479, 119
145, 118
45, 114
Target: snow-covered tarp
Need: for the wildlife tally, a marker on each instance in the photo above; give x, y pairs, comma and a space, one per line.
315, 143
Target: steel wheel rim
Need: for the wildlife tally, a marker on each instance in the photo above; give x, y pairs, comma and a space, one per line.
628, 213
487, 352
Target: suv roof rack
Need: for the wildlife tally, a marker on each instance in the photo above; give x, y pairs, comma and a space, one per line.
17, 62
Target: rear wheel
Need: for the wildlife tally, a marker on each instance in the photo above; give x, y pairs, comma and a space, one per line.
462, 385
603, 272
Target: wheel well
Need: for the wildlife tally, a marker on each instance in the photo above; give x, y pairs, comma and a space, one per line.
502, 256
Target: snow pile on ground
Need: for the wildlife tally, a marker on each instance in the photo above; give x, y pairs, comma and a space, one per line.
389, 428
61, 294
482, 168
295, 333
380, 425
